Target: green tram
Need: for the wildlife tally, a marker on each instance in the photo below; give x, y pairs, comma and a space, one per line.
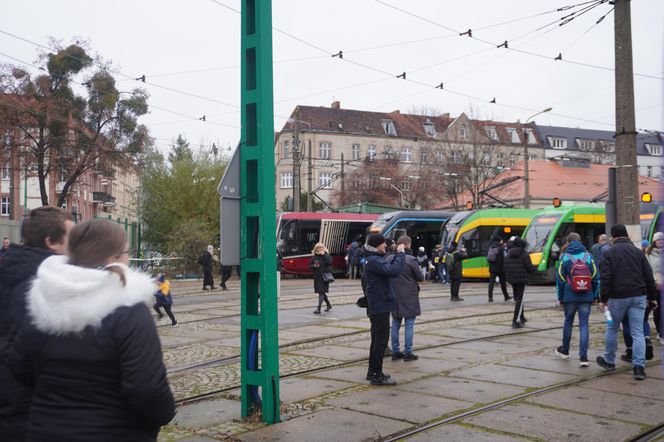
477, 229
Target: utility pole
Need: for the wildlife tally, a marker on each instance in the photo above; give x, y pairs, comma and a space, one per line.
310, 178
296, 161
627, 204
343, 186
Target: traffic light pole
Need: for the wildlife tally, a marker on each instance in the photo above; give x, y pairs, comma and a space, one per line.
259, 310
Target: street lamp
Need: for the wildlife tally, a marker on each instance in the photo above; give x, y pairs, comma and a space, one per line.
526, 179
395, 188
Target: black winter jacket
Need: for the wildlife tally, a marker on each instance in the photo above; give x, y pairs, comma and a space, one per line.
518, 264
320, 264
625, 272
456, 269
406, 287
206, 261
377, 280
92, 356
18, 267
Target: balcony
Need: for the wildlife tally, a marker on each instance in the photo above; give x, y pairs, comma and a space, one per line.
103, 198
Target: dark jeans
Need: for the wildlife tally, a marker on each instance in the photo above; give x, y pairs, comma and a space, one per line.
208, 280
518, 301
627, 336
455, 285
571, 308
380, 333
323, 297
167, 309
225, 275
503, 284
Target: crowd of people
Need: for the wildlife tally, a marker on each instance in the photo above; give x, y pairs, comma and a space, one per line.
624, 280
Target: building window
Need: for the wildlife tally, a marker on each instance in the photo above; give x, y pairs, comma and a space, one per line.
491, 132
558, 143
405, 184
661, 172
513, 158
456, 157
654, 149
356, 151
610, 146
5, 172
4, 206
486, 159
406, 155
325, 151
439, 156
286, 150
371, 152
287, 180
649, 171
532, 157
355, 183
462, 132
531, 136
585, 145
424, 157
324, 180
388, 127
429, 128
513, 134
499, 159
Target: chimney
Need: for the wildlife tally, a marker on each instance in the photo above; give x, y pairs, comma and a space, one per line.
446, 116
397, 111
336, 105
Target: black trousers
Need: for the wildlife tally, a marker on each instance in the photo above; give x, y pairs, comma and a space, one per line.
380, 333
225, 275
455, 285
323, 297
518, 301
503, 284
208, 279
167, 309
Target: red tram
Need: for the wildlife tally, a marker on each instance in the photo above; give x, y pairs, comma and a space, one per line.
298, 232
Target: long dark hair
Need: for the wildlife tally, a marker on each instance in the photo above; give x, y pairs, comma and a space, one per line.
93, 242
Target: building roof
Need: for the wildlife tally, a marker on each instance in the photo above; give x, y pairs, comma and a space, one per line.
504, 137
574, 133
550, 179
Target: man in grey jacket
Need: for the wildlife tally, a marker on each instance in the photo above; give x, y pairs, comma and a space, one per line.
407, 289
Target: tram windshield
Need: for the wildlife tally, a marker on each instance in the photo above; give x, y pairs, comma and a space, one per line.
297, 237
539, 231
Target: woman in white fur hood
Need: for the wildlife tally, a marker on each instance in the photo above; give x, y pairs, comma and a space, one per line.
91, 353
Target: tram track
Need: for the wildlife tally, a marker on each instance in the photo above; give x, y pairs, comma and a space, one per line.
340, 364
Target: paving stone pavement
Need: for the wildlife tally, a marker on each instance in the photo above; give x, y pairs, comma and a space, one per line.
328, 397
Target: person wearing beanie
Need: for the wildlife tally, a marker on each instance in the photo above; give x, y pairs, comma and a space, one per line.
381, 301
626, 283
454, 263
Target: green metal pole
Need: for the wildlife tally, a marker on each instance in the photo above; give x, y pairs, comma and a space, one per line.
257, 221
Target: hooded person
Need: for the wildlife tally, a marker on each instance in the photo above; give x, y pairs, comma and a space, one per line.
381, 301
206, 262
353, 260
517, 267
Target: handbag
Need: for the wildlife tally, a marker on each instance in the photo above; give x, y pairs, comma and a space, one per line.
328, 277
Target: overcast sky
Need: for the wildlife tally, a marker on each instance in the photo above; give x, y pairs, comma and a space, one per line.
193, 48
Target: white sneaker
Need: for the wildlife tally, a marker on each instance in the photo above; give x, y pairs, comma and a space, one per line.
583, 362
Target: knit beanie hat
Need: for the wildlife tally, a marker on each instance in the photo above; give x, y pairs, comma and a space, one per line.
658, 236
619, 231
375, 239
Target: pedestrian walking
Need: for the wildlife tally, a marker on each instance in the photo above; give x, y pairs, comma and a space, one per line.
577, 287
205, 260
517, 266
626, 281
454, 263
90, 351
496, 259
381, 301
407, 292
44, 232
423, 261
320, 263
601, 246
353, 260
163, 299
435, 260
654, 255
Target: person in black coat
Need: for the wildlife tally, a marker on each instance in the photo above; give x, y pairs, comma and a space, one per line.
320, 263
496, 260
206, 262
454, 261
44, 232
91, 352
517, 266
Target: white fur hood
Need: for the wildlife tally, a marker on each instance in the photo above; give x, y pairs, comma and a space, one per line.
65, 298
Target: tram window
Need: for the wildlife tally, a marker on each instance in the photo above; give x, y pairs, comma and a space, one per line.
356, 231
397, 233
471, 241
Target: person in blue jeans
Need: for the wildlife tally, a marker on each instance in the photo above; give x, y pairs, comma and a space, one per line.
572, 299
407, 289
626, 280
